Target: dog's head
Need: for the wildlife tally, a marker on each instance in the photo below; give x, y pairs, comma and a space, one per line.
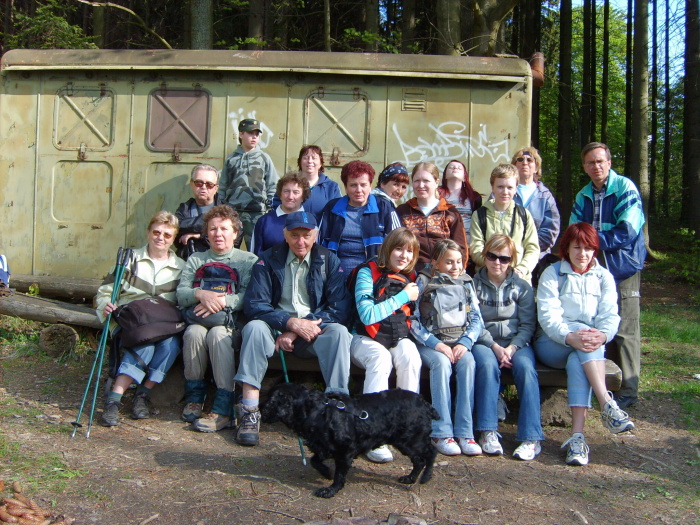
285, 404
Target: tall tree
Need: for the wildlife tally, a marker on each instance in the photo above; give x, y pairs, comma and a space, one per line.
654, 139
628, 87
667, 113
606, 73
690, 210
488, 17
201, 24
372, 25
564, 146
449, 27
408, 25
256, 24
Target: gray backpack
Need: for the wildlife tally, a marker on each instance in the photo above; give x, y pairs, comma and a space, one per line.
445, 306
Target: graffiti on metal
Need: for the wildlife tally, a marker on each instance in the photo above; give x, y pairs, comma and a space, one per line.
451, 142
236, 116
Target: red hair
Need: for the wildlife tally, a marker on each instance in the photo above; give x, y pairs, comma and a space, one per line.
354, 169
580, 233
467, 192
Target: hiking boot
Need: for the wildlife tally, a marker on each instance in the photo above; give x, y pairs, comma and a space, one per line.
527, 450
577, 454
489, 443
140, 410
502, 408
248, 431
110, 415
380, 455
624, 402
212, 422
614, 419
191, 412
469, 447
447, 446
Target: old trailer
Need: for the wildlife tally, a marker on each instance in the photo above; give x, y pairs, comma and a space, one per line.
93, 142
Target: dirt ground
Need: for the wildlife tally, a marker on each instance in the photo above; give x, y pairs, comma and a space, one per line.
159, 471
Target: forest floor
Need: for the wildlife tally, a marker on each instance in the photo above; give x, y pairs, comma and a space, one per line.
160, 471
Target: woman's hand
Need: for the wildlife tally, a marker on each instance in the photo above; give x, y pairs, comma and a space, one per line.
503, 355
109, 308
188, 236
209, 302
586, 340
412, 290
458, 351
444, 349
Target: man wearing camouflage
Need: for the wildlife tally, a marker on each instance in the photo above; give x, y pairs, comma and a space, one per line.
248, 178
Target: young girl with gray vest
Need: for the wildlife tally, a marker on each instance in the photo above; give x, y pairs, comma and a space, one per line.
448, 324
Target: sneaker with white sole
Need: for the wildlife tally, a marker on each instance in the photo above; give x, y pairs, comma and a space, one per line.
447, 446
577, 454
469, 447
502, 408
489, 443
380, 455
615, 419
527, 450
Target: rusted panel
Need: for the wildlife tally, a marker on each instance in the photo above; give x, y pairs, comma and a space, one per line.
86, 159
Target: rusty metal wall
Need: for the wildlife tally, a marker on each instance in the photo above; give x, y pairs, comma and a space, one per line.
88, 154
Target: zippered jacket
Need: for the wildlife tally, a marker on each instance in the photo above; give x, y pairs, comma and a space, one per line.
545, 213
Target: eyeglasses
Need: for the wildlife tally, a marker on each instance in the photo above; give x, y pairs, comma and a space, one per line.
158, 233
200, 183
503, 259
591, 163
523, 159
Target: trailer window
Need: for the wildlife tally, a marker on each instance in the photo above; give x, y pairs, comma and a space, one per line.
178, 120
338, 122
84, 119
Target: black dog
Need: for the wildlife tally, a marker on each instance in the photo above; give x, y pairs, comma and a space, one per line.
341, 427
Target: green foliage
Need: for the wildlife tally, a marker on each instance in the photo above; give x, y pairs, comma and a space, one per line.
679, 254
47, 28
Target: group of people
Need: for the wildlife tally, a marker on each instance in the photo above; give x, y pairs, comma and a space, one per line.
441, 281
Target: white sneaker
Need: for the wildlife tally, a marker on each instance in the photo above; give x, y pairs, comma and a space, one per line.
527, 450
490, 444
615, 419
447, 446
469, 447
380, 455
577, 453
502, 408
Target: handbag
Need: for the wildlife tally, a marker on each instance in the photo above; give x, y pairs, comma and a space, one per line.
148, 321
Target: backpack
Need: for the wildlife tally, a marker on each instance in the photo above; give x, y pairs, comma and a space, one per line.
481, 216
216, 277
390, 330
4, 273
445, 307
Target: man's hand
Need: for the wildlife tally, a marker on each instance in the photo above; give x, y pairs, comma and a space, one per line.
503, 355
458, 351
209, 302
286, 341
304, 328
188, 236
444, 349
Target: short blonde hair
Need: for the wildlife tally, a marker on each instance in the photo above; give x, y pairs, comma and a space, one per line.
164, 217
426, 166
498, 242
504, 171
396, 239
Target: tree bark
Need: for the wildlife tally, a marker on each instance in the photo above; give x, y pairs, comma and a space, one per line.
408, 25
628, 88
63, 287
449, 27
327, 25
606, 74
256, 23
488, 16
48, 311
202, 24
667, 116
564, 143
372, 24
690, 210
654, 110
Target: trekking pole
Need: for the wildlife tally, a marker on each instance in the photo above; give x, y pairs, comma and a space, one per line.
286, 380
122, 257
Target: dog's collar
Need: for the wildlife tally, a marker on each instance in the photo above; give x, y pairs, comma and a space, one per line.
340, 405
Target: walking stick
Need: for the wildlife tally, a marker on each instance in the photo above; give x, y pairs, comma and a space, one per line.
286, 380
123, 256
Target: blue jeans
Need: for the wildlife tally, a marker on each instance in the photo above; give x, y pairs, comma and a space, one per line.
159, 357
487, 385
555, 355
441, 371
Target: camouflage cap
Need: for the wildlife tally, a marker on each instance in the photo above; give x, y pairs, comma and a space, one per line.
249, 124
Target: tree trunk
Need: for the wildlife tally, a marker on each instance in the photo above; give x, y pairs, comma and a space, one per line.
654, 111
606, 74
488, 16
588, 73
408, 25
449, 27
639, 162
63, 287
628, 88
99, 26
372, 24
202, 22
256, 23
667, 115
327, 25
565, 113
48, 311
690, 210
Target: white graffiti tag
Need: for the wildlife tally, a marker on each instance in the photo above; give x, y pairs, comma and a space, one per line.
451, 142
236, 116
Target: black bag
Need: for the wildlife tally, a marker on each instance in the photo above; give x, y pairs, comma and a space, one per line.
148, 321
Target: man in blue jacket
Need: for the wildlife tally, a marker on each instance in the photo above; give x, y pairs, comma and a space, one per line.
296, 302
612, 205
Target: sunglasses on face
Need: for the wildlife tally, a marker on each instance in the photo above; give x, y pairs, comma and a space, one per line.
158, 233
200, 183
524, 159
503, 259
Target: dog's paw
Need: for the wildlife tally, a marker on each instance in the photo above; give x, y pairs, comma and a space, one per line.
408, 479
325, 492
427, 476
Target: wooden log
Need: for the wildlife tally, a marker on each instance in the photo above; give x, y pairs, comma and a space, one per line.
48, 311
54, 286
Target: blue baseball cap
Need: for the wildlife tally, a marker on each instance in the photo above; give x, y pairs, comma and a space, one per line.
300, 219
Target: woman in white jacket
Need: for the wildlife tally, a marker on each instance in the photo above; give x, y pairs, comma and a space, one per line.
577, 312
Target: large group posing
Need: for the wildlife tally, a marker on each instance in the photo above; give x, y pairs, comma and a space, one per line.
442, 281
